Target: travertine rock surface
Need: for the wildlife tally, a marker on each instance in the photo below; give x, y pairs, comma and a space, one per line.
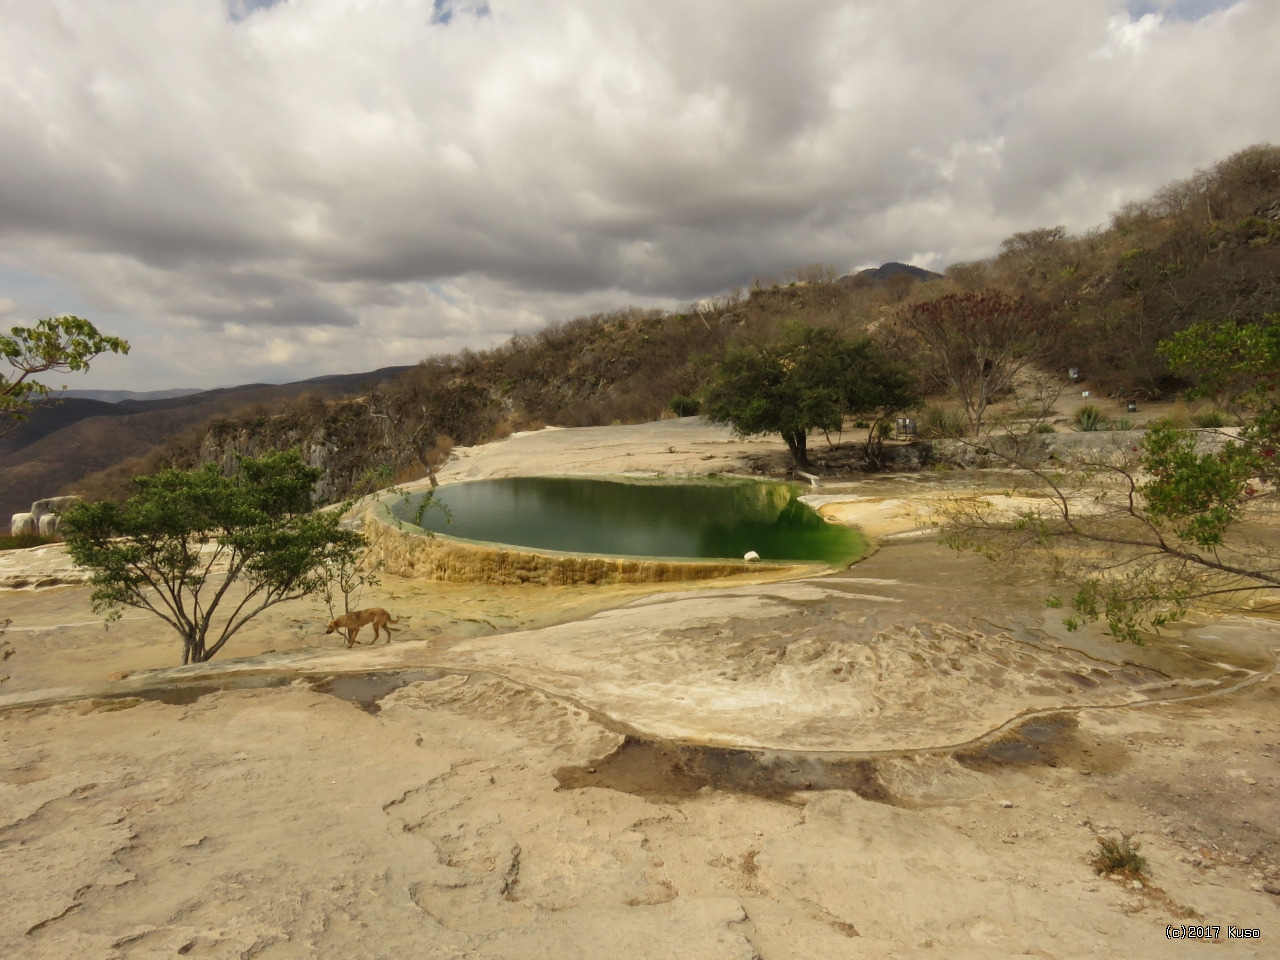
910, 758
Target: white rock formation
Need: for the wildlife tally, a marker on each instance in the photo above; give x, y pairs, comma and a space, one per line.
22, 523
53, 505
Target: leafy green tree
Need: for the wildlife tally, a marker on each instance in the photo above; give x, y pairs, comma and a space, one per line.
788, 387
54, 344
810, 379
207, 553
875, 388
1142, 532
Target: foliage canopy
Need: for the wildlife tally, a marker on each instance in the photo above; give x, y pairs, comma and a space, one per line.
54, 344
809, 379
191, 544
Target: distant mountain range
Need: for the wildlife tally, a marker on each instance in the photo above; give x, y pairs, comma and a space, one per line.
79, 435
115, 396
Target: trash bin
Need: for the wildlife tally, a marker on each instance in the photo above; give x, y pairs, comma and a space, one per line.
906, 428
1132, 406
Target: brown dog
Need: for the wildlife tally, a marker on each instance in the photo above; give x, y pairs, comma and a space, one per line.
353, 621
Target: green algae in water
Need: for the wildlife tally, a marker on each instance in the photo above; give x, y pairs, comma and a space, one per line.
720, 520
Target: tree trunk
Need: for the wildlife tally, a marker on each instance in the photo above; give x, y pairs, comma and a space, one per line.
424, 457
193, 649
192, 652
874, 449
797, 443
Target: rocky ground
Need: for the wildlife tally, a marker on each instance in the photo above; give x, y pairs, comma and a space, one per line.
908, 758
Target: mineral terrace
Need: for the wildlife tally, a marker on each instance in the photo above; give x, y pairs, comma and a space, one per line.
908, 758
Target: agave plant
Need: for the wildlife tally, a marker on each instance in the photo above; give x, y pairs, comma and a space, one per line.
1089, 418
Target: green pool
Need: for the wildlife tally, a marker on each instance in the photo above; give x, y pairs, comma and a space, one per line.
720, 519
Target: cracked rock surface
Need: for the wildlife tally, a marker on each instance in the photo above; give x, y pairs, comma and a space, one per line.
639, 772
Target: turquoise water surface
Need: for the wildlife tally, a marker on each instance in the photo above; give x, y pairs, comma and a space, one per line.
720, 519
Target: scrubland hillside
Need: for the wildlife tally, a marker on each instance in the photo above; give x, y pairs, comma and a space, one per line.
1207, 247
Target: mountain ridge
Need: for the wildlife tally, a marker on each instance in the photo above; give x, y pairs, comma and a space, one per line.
73, 437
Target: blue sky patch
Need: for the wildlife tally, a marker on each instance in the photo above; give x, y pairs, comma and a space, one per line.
239, 10
1178, 9
443, 11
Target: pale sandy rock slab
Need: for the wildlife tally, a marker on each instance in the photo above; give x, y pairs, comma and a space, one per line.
693, 929
768, 668
39, 567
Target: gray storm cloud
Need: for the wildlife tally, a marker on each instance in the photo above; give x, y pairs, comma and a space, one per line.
262, 177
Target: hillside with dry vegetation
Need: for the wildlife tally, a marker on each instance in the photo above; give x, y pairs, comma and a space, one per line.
1203, 248
1207, 247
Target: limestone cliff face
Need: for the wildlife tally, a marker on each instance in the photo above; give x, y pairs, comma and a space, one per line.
336, 439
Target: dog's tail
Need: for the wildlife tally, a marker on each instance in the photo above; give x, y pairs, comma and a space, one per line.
389, 620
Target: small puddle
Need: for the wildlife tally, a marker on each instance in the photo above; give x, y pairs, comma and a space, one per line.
670, 771
366, 689
363, 689
184, 694
657, 770
1053, 741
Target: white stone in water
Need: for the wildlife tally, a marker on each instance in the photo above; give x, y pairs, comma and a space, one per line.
23, 523
751, 556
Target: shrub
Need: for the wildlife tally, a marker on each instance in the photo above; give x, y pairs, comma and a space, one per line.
683, 406
1044, 428
1179, 417
24, 540
936, 422
1209, 418
1119, 856
1122, 423
1089, 418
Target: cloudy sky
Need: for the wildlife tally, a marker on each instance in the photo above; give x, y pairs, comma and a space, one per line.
277, 189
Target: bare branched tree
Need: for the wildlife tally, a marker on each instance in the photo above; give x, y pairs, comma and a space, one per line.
973, 346
423, 411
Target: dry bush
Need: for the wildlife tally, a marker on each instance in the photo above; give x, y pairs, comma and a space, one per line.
1204, 247
936, 422
1119, 856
